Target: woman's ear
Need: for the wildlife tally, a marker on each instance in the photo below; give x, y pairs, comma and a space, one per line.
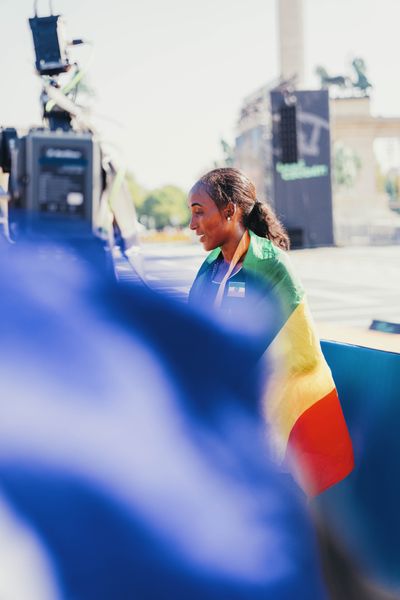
229, 210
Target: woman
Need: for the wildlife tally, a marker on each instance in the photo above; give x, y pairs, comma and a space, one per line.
248, 252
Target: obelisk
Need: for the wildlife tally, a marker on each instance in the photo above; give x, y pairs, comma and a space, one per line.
291, 40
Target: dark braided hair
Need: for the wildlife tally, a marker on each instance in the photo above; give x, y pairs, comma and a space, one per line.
230, 185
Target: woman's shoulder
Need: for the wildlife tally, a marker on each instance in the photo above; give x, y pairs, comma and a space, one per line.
272, 262
263, 249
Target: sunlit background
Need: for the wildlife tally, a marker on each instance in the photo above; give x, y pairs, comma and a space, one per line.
99, 377
170, 77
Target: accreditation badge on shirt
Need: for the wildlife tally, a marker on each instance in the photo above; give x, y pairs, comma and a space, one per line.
236, 289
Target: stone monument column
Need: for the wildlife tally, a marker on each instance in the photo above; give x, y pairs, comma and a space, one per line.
291, 40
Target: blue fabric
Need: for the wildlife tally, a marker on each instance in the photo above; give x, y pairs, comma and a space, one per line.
131, 443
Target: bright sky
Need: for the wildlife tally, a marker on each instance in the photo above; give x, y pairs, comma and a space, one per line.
172, 74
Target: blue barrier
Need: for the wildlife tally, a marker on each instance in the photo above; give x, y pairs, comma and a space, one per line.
364, 508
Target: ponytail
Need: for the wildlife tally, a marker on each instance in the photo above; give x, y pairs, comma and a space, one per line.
264, 223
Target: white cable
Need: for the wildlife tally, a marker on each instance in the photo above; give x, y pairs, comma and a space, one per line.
66, 89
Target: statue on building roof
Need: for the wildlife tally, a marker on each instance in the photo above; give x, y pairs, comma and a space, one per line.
358, 85
326, 80
362, 82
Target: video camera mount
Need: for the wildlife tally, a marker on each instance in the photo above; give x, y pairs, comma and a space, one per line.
61, 169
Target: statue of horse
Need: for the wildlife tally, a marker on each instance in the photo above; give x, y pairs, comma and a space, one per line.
327, 81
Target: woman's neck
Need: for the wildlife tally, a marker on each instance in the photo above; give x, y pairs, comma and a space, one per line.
229, 248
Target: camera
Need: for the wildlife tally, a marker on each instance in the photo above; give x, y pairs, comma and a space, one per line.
59, 172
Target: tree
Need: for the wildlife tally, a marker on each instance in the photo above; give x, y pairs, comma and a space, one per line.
138, 192
164, 206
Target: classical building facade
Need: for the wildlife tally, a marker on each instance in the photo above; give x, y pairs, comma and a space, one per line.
357, 207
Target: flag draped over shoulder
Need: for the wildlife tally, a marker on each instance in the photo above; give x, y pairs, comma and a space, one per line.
301, 402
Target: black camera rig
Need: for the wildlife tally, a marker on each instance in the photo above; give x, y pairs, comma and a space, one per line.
60, 171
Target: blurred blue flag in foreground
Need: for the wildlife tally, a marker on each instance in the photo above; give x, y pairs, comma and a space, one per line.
132, 460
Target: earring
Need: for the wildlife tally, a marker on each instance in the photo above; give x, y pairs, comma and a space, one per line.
228, 218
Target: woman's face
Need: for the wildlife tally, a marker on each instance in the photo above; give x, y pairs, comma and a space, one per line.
207, 221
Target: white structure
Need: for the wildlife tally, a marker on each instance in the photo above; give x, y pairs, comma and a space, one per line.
253, 142
291, 40
361, 212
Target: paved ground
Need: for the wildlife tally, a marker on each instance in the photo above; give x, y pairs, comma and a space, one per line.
345, 286
351, 286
